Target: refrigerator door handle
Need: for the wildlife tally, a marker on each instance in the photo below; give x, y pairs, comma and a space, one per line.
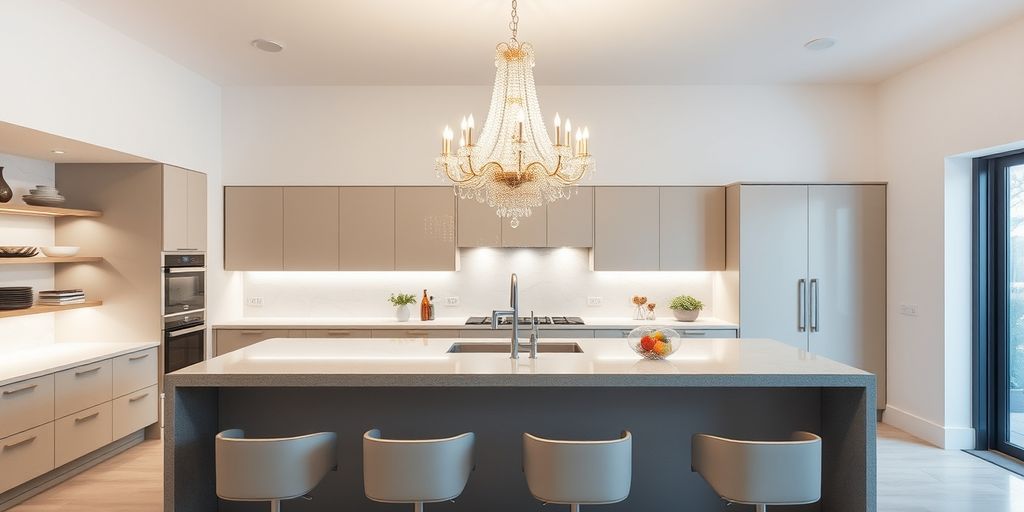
801, 305
815, 293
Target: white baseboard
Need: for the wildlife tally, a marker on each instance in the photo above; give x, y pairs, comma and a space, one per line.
949, 438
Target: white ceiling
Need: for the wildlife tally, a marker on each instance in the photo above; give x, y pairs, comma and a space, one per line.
433, 42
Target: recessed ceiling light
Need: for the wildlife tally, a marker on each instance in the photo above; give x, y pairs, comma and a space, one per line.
821, 43
267, 45
57, 151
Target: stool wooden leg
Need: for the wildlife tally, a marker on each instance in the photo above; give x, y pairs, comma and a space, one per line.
575, 507
418, 507
762, 508
275, 505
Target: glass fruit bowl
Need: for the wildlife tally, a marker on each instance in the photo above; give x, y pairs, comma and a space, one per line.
654, 342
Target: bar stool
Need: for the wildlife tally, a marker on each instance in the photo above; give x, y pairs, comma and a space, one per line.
272, 469
416, 471
760, 473
578, 472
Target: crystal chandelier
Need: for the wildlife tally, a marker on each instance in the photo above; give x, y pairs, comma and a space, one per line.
514, 166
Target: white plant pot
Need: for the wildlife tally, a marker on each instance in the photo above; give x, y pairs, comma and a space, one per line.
686, 316
402, 313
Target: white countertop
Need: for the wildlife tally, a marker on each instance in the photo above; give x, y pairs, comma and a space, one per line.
453, 323
32, 362
331, 361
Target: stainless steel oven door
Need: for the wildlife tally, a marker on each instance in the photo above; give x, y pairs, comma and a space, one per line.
184, 289
184, 347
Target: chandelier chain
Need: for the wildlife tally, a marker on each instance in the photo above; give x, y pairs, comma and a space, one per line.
514, 24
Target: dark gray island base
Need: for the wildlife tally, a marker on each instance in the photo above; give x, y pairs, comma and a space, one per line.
271, 391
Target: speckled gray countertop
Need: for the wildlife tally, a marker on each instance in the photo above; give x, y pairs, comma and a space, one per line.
384, 362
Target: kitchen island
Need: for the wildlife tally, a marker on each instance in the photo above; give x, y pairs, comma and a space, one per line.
415, 388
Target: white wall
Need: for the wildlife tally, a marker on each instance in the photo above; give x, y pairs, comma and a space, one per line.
22, 174
640, 135
551, 282
962, 101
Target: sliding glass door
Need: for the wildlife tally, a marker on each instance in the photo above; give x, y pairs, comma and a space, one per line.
999, 320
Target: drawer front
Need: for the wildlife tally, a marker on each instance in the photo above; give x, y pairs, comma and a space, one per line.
707, 333
82, 387
612, 333
135, 411
134, 371
564, 333
81, 433
524, 334
229, 340
338, 333
415, 333
26, 404
25, 456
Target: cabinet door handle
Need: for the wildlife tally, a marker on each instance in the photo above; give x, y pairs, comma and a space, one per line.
251, 332
815, 292
20, 443
87, 372
137, 398
138, 358
801, 305
417, 333
695, 333
87, 418
339, 333
21, 390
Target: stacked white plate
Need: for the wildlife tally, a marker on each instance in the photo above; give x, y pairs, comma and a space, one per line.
43, 195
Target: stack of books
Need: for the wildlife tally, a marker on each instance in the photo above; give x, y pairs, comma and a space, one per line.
61, 297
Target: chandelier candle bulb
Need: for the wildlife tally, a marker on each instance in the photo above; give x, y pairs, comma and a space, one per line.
568, 131
558, 130
469, 130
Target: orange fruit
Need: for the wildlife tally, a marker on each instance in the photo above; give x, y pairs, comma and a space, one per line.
662, 349
658, 335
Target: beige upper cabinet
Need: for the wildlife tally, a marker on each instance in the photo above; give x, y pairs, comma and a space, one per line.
478, 225
253, 228
310, 228
626, 228
692, 228
571, 222
196, 235
184, 205
424, 228
532, 231
367, 228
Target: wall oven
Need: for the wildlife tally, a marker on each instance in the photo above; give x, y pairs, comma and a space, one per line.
184, 309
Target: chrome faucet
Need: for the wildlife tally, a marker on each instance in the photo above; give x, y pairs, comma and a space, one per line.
514, 313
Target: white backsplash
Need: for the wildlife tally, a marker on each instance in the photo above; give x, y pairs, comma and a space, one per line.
22, 174
551, 282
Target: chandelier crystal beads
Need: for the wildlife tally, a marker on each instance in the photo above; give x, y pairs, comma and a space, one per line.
514, 166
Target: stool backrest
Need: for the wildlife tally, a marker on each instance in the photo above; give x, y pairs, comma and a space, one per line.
416, 471
578, 472
272, 469
761, 472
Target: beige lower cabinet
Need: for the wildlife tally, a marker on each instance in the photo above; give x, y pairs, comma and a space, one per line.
685, 333
25, 404
135, 411
25, 455
134, 371
415, 333
524, 334
229, 340
82, 386
338, 333
424, 228
78, 434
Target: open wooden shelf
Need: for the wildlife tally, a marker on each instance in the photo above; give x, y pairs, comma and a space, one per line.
38, 309
46, 211
41, 260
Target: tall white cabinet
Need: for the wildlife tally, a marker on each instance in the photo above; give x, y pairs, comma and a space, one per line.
810, 262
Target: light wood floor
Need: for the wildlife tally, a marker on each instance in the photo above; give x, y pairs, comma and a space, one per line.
912, 477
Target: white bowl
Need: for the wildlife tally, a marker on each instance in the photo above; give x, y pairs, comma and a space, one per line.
60, 251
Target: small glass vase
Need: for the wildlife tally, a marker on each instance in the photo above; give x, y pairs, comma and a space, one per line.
639, 313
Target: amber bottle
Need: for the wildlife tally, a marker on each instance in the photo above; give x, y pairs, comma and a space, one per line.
425, 307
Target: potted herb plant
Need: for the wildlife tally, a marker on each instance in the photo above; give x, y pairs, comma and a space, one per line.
686, 308
402, 301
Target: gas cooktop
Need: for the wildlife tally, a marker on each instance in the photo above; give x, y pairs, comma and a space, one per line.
526, 320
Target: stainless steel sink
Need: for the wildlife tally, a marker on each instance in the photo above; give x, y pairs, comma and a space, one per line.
504, 348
